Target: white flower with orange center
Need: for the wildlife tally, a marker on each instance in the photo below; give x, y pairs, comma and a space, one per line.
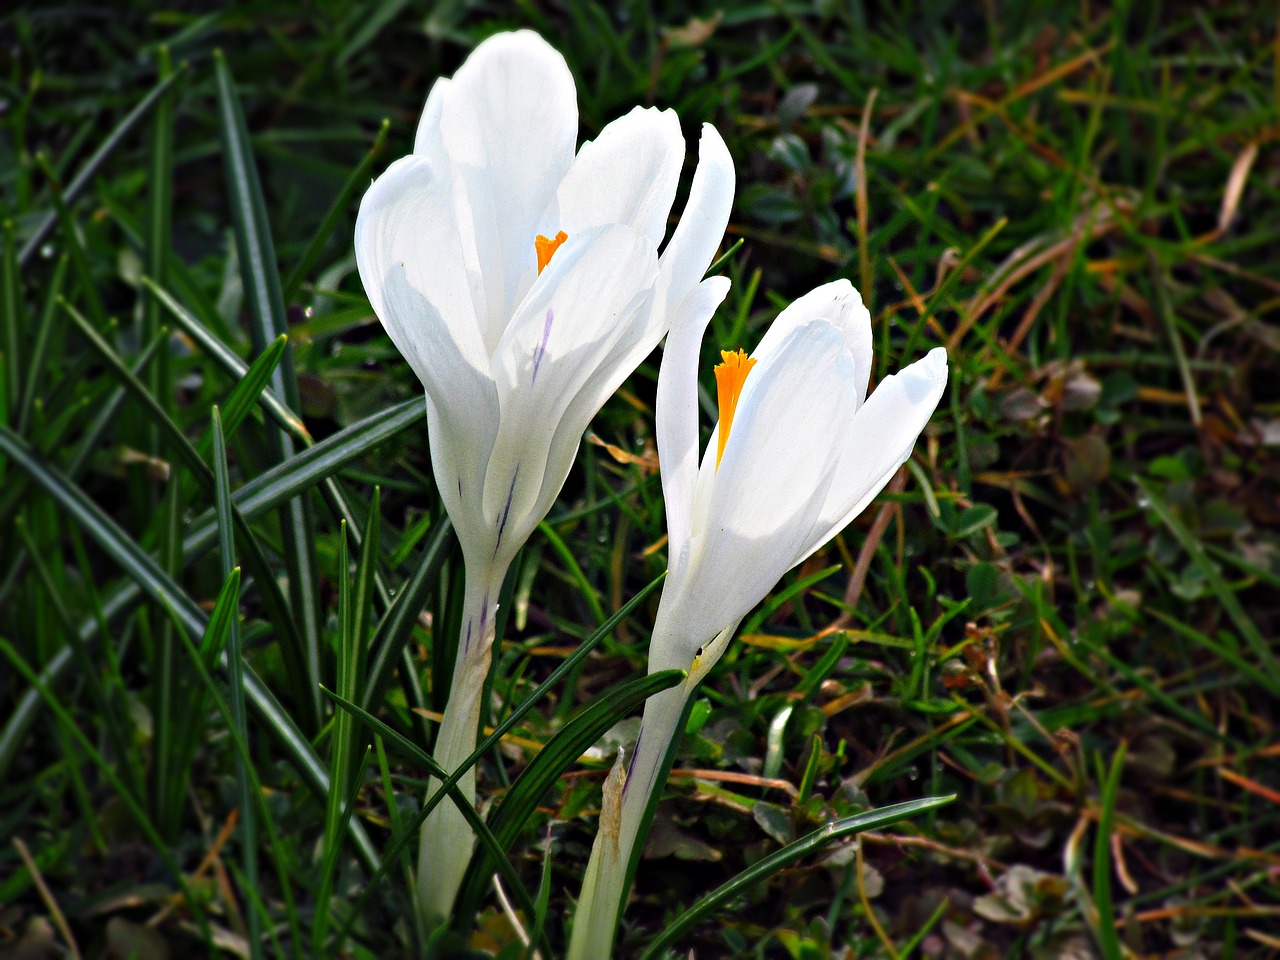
799, 451
523, 284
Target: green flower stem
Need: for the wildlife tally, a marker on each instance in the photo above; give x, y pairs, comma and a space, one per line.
632, 791
442, 856
627, 792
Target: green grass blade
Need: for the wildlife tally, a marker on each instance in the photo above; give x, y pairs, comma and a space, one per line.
570, 664
94, 164
139, 392
346, 806
351, 666
561, 752
11, 320
245, 762
44, 334
228, 360
259, 271
1108, 935
725, 257
585, 588
107, 414
310, 467
88, 288
255, 561
261, 494
340, 743
13, 492
544, 900
159, 228
119, 727
358, 181
774, 740
260, 274
107, 769
758, 872
244, 396
397, 624
235, 679
184, 732
424, 759
161, 589
1248, 629
353, 625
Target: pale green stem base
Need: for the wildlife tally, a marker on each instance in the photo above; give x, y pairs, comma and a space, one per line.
446, 840
625, 798
626, 795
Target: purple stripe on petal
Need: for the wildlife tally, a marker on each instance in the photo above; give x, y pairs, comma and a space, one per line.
541, 349
506, 511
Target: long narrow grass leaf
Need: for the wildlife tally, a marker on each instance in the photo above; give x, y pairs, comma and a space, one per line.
397, 624
107, 769
12, 323
228, 360
235, 678
244, 396
84, 176
44, 335
424, 759
1108, 935
260, 275
253, 499
358, 180
760, 871
256, 794
156, 584
571, 663
550, 763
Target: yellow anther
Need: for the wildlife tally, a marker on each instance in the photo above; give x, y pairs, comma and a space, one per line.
730, 376
547, 248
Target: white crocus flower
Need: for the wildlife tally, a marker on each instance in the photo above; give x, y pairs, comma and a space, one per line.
799, 451
523, 284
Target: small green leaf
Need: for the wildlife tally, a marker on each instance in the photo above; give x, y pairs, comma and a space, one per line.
972, 519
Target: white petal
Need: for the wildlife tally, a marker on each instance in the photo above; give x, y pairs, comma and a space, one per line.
428, 142
462, 408
625, 355
405, 226
880, 440
586, 302
677, 412
756, 514
508, 122
838, 303
697, 236
626, 175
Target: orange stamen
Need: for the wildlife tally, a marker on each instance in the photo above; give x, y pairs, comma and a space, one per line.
730, 376
547, 248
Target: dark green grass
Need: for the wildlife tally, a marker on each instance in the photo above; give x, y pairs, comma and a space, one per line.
1067, 609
